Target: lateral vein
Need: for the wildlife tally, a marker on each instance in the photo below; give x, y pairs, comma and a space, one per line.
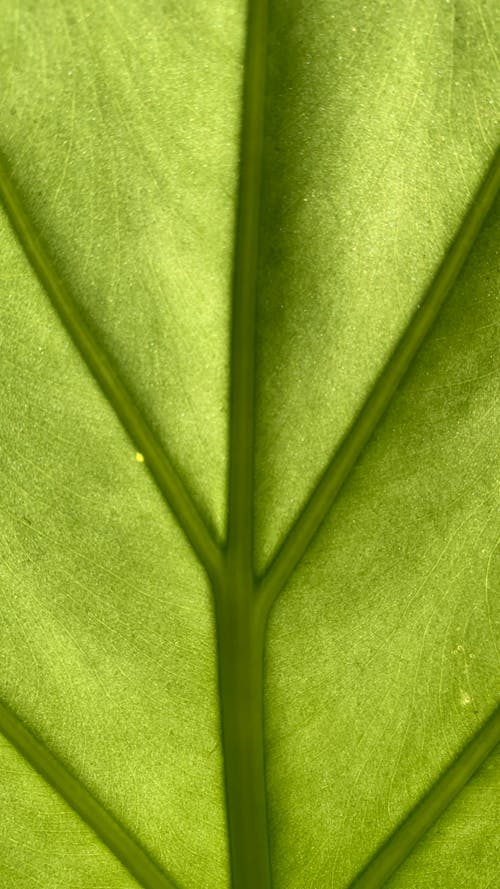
381, 396
159, 464
399, 846
104, 825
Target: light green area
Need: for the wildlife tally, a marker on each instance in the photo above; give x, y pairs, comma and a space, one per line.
383, 649
73, 858
107, 638
463, 849
382, 120
120, 122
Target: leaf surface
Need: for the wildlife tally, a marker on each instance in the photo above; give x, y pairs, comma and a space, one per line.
121, 137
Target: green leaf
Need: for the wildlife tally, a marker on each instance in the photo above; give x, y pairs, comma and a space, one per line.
248, 525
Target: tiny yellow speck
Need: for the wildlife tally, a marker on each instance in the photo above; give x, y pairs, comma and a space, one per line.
139, 457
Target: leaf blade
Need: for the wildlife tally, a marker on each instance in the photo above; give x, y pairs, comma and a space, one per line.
383, 126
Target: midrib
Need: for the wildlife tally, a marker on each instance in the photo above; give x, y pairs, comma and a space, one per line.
240, 621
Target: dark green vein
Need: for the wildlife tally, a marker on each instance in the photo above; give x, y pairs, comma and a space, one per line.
382, 394
240, 643
241, 432
101, 367
109, 831
395, 851
240, 627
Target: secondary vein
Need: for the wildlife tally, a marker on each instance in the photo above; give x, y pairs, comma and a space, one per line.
381, 396
110, 831
397, 848
102, 369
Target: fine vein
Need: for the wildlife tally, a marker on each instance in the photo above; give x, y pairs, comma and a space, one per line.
382, 394
109, 831
101, 367
398, 847
239, 620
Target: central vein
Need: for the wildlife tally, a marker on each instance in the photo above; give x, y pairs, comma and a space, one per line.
240, 619
244, 289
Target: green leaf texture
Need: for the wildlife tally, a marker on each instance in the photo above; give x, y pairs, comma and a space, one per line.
249, 444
